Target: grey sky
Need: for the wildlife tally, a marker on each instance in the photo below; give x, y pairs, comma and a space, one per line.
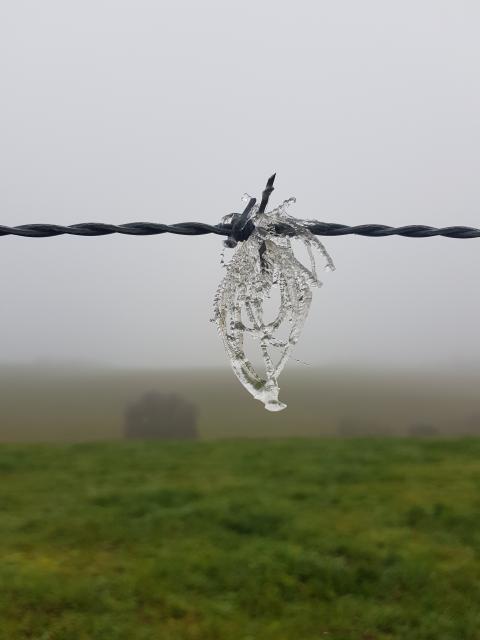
133, 110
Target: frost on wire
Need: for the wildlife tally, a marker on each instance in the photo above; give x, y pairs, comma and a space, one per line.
265, 261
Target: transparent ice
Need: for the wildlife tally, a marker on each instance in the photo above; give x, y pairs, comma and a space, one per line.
265, 261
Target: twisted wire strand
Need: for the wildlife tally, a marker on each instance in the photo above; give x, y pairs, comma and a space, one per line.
238, 229
199, 229
381, 230
103, 229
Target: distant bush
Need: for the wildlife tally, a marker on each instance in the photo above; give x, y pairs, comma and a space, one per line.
421, 430
159, 415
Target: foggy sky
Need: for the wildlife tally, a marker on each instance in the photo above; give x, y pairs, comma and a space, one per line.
117, 111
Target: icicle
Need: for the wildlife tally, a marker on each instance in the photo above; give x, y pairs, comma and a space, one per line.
264, 261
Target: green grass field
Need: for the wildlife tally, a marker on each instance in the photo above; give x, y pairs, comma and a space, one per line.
268, 540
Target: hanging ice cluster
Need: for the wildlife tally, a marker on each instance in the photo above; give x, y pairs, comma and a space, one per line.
264, 261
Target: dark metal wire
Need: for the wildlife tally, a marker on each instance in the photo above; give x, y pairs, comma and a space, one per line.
381, 230
201, 229
102, 229
237, 230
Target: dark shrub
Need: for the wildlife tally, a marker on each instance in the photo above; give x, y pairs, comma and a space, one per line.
159, 415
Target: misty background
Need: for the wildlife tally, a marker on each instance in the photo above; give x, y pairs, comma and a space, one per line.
119, 111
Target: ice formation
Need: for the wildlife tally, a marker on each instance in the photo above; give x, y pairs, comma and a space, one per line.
264, 261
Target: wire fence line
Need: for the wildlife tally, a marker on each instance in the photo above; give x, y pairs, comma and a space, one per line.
239, 229
199, 229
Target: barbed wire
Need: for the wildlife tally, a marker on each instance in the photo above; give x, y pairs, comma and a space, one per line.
105, 229
239, 229
199, 229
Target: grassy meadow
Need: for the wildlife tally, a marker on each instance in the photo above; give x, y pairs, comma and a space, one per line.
304, 539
